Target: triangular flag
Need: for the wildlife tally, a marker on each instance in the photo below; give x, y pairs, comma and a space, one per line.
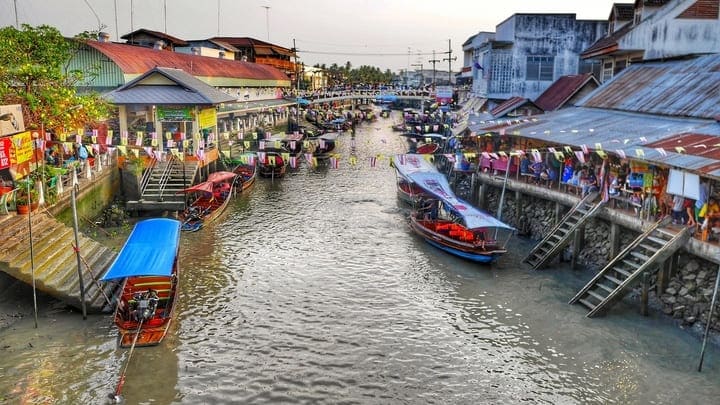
639, 152
620, 153
661, 151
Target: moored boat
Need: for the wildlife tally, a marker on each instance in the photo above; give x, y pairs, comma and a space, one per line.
246, 171
449, 223
149, 264
210, 198
271, 164
324, 145
407, 190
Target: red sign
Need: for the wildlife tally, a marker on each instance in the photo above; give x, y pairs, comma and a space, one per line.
5, 145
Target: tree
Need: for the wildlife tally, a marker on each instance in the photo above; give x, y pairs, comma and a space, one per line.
33, 74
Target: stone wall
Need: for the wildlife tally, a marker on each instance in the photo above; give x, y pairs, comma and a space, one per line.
690, 287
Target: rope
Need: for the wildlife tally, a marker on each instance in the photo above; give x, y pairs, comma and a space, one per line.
118, 390
97, 283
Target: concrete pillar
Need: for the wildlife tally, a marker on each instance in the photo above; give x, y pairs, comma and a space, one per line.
122, 119
482, 190
614, 240
577, 245
473, 188
558, 213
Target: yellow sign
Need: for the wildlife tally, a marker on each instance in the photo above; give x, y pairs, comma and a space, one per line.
22, 148
207, 118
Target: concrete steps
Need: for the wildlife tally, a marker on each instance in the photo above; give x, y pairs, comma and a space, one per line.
54, 260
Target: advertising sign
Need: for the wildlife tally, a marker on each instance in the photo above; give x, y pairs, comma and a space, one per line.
5, 146
22, 148
11, 119
207, 118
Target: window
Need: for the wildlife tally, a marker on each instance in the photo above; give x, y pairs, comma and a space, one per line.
541, 68
590, 66
619, 66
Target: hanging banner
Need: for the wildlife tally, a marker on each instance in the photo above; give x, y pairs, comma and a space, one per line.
207, 118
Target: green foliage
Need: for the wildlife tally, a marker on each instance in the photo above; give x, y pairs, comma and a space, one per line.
363, 75
33, 74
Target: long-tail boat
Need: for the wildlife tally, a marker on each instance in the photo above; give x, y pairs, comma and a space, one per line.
447, 222
148, 263
211, 197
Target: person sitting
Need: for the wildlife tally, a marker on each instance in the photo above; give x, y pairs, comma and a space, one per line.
480, 239
590, 183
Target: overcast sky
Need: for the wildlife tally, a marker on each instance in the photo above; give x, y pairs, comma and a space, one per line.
365, 32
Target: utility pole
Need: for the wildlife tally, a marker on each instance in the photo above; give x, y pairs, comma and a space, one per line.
420, 65
434, 61
267, 20
450, 59
17, 26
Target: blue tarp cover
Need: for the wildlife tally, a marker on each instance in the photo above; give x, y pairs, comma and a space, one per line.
423, 173
149, 251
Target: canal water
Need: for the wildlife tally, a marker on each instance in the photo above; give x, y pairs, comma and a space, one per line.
313, 290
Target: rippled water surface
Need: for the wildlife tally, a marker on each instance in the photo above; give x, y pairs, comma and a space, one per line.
312, 289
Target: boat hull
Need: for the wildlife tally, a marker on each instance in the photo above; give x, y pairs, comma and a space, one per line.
453, 238
150, 331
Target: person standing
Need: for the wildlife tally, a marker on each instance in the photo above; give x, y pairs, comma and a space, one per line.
677, 210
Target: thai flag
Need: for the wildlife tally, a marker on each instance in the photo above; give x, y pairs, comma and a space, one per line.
478, 66
401, 159
373, 161
322, 144
584, 148
620, 153
108, 138
661, 151
580, 156
261, 156
261, 145
292, 144
334, 163
293, 162
309, 158
268, 134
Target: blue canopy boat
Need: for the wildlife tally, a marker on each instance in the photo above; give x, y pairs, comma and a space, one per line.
447, 222
149, 264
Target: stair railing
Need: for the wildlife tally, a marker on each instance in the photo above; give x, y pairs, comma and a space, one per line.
147, 174
631, 246
166, 175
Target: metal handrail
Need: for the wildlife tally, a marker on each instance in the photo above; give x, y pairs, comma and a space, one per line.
146, 175
166, 174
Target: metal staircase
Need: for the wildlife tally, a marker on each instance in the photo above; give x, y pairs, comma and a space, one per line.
54, 261
560, 236
643, 255
161, 185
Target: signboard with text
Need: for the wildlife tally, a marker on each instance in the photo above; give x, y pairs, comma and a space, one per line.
443, 94
207, 118
169, 114
5, 146
22, 148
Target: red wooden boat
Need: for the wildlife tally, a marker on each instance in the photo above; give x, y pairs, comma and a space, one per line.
427, 148
149, 264
211, 199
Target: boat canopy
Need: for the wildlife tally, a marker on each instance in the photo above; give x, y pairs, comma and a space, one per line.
218, 177
423, 173
150, 250
205, 186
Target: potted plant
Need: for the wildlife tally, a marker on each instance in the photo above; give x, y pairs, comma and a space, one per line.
25, 199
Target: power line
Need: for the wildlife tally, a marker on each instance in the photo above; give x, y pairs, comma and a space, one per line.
364, 53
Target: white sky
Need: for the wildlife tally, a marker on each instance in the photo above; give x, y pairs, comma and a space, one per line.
359, 27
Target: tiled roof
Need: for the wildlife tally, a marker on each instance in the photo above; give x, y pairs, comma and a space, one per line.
562, 90
168, 38
685, 88
137, 60
185, 90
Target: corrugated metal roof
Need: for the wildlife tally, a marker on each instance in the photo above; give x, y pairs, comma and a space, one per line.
562, 90
624, 131
685, 88
137, 60
168, 38
509, 105
606, 44
187, 90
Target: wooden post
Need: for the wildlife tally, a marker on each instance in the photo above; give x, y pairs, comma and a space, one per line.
518, 207
662, 277
558, 213
644, 294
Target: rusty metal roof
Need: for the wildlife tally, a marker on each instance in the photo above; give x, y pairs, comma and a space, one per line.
508, 105
635, 135
606, 44
684, 88
563, 89
137, 60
